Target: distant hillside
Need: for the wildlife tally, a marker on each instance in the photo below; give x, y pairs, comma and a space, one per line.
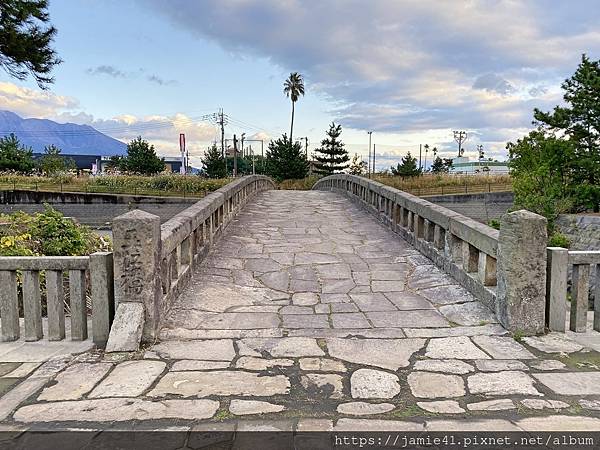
69, 137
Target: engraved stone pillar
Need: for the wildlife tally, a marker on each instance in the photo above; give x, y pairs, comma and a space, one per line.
137, 252
521, 264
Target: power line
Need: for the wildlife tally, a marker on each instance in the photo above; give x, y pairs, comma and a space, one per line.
245, 124
151, 125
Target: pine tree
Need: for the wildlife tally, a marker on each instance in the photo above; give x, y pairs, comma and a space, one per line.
25, 44
141, 158
357, 165
438, 165
213, 163
441, 165
407, 167
579, 123
331, 156
286, 161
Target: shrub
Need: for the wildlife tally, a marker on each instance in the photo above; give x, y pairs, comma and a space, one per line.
48, 233
303, 184
558, 240
166, 183
494, 223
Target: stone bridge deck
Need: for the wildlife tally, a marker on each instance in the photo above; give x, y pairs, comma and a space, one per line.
309, 314
313, 264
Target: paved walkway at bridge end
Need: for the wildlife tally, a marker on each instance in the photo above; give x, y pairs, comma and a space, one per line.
310, 315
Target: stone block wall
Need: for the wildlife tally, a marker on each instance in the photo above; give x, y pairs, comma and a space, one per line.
481, 207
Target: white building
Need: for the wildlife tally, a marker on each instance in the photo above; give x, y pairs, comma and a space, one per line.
462, 165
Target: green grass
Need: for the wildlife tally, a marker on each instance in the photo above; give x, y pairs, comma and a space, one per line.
411, 411
518, 335
582, 360
223, 414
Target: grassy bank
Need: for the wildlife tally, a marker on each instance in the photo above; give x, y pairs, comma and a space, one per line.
427, 184
167, 185
430, 184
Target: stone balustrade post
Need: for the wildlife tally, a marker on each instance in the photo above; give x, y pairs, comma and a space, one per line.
521, 272
556, 287
137, 253
103, 295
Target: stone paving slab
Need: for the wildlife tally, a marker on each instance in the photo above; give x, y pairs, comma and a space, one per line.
310, 315
122, 409
40, 351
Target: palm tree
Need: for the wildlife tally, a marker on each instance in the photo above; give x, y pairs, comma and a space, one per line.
293, 88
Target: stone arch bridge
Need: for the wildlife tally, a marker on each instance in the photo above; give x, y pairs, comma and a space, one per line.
317, 307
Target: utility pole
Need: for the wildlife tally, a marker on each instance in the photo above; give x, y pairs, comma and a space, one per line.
262, 149
460, 137
221, 122
243, 135
306, 146
373, 159
234, 156
306, 154
369, 165
420, 152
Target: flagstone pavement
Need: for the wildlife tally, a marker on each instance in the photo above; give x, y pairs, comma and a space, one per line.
310, 315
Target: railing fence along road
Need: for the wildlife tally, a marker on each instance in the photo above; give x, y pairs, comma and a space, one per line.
582, 263
93, 274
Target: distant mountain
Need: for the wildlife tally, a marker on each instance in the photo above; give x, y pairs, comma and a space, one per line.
71, 138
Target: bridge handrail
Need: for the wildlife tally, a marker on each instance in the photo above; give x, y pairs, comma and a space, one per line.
464, 248
154, 263
187, 237
54, 268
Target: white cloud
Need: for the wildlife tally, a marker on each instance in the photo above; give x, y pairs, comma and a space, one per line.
413, 65
33, 103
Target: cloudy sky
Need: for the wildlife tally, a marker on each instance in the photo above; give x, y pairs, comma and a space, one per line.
409, 70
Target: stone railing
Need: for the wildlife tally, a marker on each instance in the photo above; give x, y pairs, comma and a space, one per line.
559, 261
54, 268
154, 263
506, 269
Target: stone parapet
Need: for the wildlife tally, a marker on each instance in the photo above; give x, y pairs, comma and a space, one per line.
462, 247
154, 262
